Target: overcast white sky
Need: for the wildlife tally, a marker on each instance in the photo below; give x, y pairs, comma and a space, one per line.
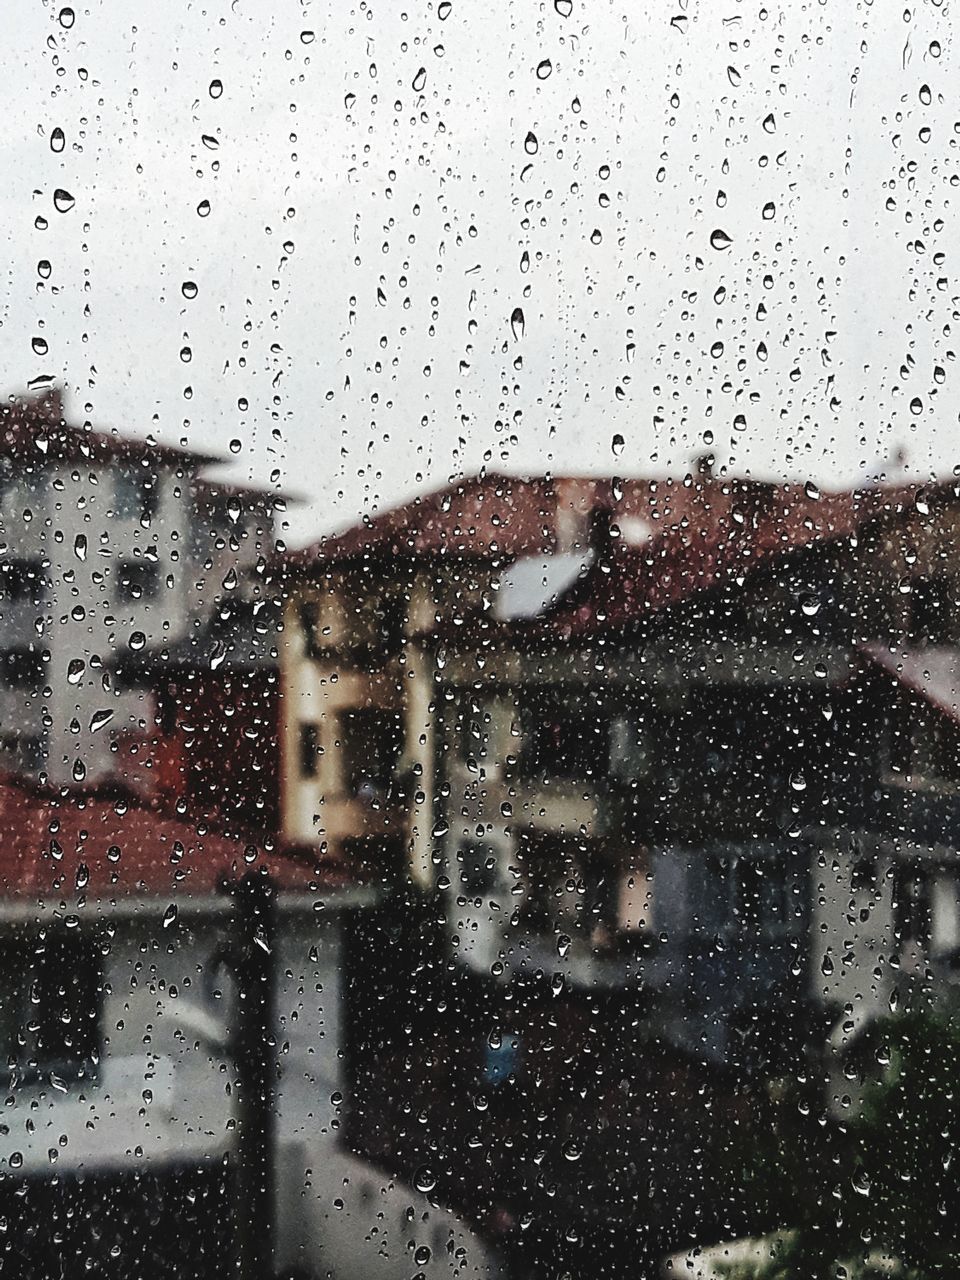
364, 249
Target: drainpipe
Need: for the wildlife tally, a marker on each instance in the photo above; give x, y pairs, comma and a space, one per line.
253, 1051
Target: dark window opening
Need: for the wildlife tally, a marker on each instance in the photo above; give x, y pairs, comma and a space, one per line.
22, 668
135, 493
557, 743
371, 743
137, 579
912, 913
930, 611
22, 581
310, 750
477, 867
50, 1006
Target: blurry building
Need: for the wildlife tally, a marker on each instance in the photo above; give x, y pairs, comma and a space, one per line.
362, 612
119, 1018
113, 552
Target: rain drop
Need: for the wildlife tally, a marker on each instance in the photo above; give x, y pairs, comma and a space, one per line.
544, 69
517, 322
719, 239
63, 201
617, 445
189, 289
563, 7
67, 18
57, 140
216, 88
419, 80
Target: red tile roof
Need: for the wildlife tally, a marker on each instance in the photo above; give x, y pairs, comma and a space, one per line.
727, 533
32, 428
63, 846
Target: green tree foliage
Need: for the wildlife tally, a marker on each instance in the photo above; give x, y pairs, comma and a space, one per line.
879, 1195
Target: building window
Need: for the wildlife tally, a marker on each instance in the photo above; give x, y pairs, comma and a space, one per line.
371, 741
558, 742
50, 992
930, 611
22, 668
310, 750
137, 579
474, 722
135, 493
21, 751
476, 867
912, 907
21, 581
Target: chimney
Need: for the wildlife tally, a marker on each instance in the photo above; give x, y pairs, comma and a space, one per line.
600, 537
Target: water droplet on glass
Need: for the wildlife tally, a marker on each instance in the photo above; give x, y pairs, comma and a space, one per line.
203, 208
40, 346
733, 75
617, 445
170, 915
769, 211
66, 18
63, 201
137, 640
75, 670
444, 9
563, 945
424, 1179
563, 7
916, 405
769, 123
419, 80
720, 240
57, 140
189, 289
595, 236
44, 269
926, 97
307, 37
544, 69
99, 719
209, 141
517, 322
235, 446
216, 88
812, 491
80, 546
530, 144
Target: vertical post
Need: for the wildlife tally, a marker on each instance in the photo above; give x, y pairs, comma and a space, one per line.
255, 1068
